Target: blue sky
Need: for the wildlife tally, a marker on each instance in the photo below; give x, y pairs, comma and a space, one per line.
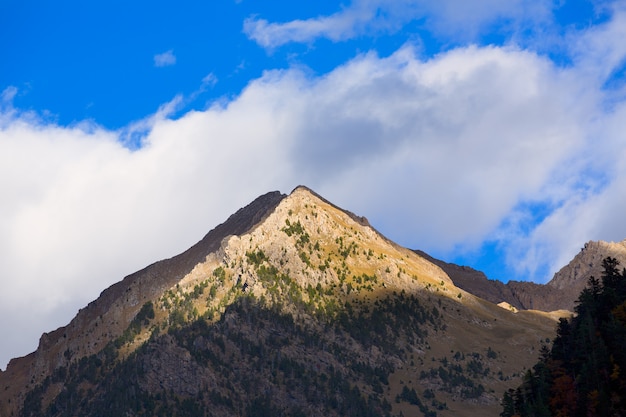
486, 133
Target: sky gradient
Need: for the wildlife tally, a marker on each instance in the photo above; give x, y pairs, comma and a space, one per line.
486, 133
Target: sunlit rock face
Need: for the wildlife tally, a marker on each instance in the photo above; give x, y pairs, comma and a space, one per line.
573, 277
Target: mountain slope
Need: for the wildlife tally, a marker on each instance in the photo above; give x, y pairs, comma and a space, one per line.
560, 293
520, 295
107, 317
298, 300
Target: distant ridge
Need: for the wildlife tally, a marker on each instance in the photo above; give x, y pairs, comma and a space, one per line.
521, 295
560, 293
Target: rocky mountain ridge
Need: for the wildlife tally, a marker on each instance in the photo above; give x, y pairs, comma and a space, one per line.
517, 294
300, 268
573, 277
560, 293
109, 315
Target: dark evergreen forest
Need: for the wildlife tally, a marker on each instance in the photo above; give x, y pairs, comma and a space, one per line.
584, 373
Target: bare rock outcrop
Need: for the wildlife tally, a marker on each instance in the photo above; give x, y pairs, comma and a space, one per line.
572, 278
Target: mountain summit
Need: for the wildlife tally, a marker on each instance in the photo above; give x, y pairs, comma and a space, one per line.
293, 306
573, 277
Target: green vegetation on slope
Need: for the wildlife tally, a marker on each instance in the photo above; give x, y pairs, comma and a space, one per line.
305, 324
256, 360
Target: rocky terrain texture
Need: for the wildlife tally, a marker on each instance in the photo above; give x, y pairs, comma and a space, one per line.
573, 277
107, 317
291, 307
520, 295
560, 293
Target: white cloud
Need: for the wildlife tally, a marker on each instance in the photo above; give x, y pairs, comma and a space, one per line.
452, 135
599, 51
209, 80
165, 59
80, 211
339, 26
438, 154
456, 18
593, 210
6, 104
8, 94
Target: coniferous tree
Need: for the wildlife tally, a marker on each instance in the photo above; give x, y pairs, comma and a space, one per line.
583, 374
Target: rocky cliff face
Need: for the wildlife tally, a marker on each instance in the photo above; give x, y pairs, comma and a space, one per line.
290, 300
572, 278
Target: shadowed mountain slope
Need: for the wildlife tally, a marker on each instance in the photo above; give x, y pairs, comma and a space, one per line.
109, 315
581, 374
520, 295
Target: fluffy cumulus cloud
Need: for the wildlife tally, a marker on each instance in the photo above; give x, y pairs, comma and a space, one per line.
80, 210
589, 206
438, 153
593, 210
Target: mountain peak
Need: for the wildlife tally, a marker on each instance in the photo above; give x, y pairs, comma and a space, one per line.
319, 232
296, 256
573, 277
362, 220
